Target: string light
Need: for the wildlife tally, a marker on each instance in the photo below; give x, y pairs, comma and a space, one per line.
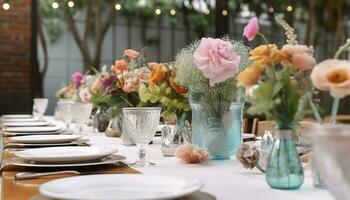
224, 12
71, 4
207, 12
6, 6
173, 12
118, 6
289, 8
271, 10
55, 5
158, 11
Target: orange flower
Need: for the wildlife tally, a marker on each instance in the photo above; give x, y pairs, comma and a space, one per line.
178, 88
119, 66
131, 53
158, 74
264, 56
249, 76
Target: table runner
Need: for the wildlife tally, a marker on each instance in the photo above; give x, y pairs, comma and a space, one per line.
24, 189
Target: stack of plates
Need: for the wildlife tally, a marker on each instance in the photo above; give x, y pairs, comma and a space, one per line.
32, 130
70, 156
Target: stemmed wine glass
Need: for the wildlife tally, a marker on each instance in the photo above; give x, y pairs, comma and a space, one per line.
81, 113
65, 110
39, 107
142, 125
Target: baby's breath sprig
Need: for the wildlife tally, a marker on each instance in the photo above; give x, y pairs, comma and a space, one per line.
289, 31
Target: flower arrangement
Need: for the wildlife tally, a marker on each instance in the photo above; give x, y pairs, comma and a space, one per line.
211, 65
333, 75
280, 77
162, 87
209, 69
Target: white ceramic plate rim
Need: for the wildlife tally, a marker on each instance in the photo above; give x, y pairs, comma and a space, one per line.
32, 133
39, 139
100, 153
25, 124
17, 116
32, 129
193, 185
101, 162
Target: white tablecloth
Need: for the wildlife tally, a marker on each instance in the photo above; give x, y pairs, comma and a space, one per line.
226, 180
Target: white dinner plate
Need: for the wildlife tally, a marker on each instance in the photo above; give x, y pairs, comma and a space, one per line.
120, 186
5, 120
248, 136
111, 159
17, 116
32, 129
31, 133
65, 154
25, 124
40, 139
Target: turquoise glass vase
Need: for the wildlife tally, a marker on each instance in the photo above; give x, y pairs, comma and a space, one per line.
284, 170
216, 123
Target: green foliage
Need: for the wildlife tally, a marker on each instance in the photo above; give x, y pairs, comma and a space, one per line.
277, 98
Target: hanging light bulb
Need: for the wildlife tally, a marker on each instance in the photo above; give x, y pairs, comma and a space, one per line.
271, 10
224, 12
55, 5
172, 12
158, 11
6, 6
118, 6
71, 4
290, 8
207, 12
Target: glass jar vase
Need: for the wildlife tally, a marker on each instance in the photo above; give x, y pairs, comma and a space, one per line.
101, 119
284, 170
217, 122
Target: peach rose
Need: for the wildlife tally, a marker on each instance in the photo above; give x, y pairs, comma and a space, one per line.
248, 77
217, 60
96, 86
119, 66
298, 56
131, 53
153, 65
332, 75
261, 56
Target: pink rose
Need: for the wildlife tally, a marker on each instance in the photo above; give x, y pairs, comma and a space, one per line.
217, 60
85, 95
332, 75
298, 56
131, 53
251, 29
77, 77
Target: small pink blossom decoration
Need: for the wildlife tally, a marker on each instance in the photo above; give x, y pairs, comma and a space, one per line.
85, 95
191, 154
217, 60
77, 77
251, 29
299, 56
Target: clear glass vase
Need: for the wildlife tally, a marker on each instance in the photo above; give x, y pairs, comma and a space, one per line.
101, 119
216, 123
284, 170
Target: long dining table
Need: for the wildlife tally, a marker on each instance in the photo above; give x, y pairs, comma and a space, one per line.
224, 179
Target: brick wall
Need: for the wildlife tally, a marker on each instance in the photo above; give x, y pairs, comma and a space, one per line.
15, 57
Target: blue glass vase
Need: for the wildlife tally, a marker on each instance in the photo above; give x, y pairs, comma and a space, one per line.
216, 123
284, 170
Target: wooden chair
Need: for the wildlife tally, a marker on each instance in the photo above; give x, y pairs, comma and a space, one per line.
345, 119
259, 127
